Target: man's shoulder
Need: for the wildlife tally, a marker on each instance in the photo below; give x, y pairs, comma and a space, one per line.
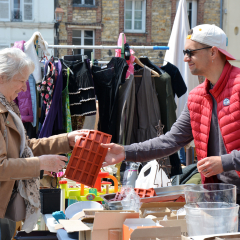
235, 72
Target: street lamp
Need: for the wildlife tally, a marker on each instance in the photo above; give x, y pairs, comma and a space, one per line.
58, 18
59, 14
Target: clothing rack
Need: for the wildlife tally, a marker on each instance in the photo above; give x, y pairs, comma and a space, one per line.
107, 47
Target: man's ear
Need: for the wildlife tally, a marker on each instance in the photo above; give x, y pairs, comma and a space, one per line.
214, 52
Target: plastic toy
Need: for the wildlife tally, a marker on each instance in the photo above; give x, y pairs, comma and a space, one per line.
89, 194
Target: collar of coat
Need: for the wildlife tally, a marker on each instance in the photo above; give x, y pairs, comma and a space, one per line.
221, 83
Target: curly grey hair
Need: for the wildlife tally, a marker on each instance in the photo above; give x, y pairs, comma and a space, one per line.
13, 61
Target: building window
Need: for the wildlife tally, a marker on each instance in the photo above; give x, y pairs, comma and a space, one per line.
135, 16
5, 10
83, 37
83, 2
16, 10
192, 12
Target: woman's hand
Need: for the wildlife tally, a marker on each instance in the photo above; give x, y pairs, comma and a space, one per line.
73, 134
52, 163
115, 154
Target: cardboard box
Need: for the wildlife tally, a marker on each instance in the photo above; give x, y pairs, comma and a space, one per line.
180, 222
104, 221
229, 236
136, 229
168, 205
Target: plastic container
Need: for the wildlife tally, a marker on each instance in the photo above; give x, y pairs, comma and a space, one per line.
36, 235
143, 193
50, 200
79, 206
213, 192
206, 218
87, 158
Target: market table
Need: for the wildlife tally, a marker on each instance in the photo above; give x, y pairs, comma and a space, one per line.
214, 235
49, 221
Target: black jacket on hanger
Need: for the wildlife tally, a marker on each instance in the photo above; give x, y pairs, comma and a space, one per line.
178, 85
148, 63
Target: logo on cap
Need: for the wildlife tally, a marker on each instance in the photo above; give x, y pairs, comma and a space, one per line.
226, 102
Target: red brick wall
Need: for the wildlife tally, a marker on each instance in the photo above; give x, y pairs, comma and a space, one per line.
98, 3
69, 31
200, 11
148, 22
98, 32
200, 8
121, 16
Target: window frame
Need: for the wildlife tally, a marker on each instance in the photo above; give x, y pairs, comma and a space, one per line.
144, 15
84, 4
9, 12
194, 12
82, 39
23, 3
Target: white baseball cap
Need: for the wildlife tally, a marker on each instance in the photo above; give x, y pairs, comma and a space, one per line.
211, 35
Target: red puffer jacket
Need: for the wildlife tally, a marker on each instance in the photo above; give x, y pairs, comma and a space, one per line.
227, 94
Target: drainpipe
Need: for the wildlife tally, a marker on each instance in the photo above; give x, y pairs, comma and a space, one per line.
221, 14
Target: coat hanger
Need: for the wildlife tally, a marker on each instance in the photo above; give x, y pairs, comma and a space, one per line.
138, 62
146, 61
77, 57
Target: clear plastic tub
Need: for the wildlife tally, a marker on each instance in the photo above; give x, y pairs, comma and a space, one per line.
212, 192
206, 218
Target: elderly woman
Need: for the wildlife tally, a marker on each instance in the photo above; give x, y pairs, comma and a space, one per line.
21, 159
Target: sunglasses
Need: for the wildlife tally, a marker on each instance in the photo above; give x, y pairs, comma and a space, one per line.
189, 52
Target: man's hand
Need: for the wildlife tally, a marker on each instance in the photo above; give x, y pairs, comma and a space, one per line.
210, 166
73, 134
115, 154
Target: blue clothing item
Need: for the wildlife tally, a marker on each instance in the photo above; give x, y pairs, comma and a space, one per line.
53, 123
182, 156
33, 93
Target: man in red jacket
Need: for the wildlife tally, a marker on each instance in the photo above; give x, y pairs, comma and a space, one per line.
211, 116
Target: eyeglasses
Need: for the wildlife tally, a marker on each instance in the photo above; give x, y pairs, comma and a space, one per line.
189, 52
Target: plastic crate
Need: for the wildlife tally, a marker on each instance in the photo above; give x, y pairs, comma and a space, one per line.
143, 193
87, 158
36, 235
50, 200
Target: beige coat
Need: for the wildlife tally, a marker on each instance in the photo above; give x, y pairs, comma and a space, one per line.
14, 168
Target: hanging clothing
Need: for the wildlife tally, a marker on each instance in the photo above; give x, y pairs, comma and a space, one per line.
24, 103
168, 114
81, 88
53, 123
33, 93
126, 102
147, 110
67, 124
166, 101
178, 85
78, 122
46, 87
107, 80
131, 58
23, 99
30, 50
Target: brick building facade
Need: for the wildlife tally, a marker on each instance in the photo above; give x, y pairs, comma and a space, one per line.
101, 22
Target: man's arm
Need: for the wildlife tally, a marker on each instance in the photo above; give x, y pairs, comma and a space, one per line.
165, 145
179, 135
